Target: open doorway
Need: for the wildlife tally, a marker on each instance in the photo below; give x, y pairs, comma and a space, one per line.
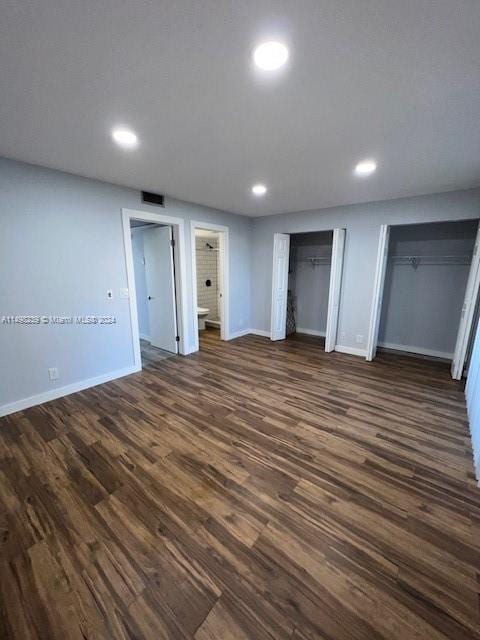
309, 269
154, 268
155, 260
210, 282
426, 291
306, 283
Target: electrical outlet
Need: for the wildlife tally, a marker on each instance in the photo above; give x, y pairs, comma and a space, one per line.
124, 293
359, 338
53, 373
343, 334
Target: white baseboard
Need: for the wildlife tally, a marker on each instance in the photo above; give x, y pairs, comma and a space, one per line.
353, 351
259, 332
59, 392
143, 336
311, 332
239, 334
424, 352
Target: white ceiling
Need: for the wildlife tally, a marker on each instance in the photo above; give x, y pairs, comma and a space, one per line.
395, 80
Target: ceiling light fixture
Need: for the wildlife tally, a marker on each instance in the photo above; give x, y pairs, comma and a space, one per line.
365, 168
259, 190
126, 138
270, 55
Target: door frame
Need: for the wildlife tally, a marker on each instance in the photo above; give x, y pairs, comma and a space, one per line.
378, 288
224, 281
466, 324
472, 293
178, 228
339, 236
335, 288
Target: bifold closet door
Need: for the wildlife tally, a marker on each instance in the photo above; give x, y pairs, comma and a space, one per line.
334, 288
281, 250
468, 312
378, 286
159, 274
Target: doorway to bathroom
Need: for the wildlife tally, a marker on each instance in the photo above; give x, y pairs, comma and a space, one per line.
210, 282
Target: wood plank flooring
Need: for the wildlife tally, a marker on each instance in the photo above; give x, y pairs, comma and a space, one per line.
253, 490
151, 354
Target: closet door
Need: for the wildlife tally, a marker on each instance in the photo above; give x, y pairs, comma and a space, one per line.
335, 288
378, 286
281, 250
468, 311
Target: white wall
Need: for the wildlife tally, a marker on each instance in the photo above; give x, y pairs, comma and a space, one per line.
472, 393
362, 223
61, 246
422, 306
140, 281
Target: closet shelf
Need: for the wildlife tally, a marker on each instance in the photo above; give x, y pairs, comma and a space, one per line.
431, 260
314, 260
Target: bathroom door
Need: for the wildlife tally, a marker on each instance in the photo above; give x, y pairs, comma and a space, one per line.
160, 277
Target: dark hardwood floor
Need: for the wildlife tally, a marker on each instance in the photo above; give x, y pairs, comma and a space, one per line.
151, 354
253, 490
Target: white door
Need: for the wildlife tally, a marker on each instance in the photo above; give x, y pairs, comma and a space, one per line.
334, 289
468, 311
281, 250
160, 277
378, 287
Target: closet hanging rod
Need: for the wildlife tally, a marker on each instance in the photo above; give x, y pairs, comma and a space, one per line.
429, 261
464, 256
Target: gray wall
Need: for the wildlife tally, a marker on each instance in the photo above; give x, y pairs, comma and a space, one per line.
310, 283
61, 244
362, 223
422, 306
140, 281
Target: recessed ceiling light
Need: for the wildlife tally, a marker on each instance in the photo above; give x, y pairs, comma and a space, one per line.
365, 168
270, 55
259, 190
126, 138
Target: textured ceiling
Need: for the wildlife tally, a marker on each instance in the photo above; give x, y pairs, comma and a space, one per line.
396, 80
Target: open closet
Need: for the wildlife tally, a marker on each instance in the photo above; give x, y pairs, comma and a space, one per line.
426, 290
307, 272
309, 282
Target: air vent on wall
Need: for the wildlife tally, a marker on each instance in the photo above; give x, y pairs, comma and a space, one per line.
152, 198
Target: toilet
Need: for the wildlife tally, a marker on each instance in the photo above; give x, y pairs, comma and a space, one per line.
202, 314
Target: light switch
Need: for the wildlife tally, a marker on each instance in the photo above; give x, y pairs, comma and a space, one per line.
124, 293
53, 373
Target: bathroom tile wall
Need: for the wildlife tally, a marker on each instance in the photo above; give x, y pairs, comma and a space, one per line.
207, 269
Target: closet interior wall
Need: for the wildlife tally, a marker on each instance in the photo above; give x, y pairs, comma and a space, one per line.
426, 277
309, 280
